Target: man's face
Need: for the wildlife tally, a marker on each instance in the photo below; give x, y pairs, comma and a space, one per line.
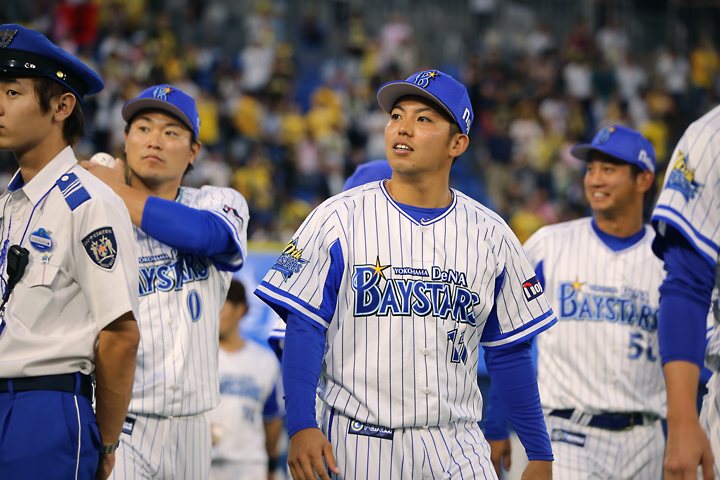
417, 137
22, 124
609, 186
159, 147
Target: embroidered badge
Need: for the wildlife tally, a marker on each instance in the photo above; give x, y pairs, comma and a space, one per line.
101, 247
128, 425
577, 439
422, 79
290, 260
368, 430
161, 93
532, 289
604, 135
40, 240
682, 178
6, 37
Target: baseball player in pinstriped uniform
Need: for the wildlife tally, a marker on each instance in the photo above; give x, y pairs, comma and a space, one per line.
387, 290
688, 240
599, 375
189, 241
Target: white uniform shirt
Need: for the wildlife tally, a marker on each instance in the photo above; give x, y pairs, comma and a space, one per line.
602, 356
247, 379
179, 320
689, 202
84, 282
405, 304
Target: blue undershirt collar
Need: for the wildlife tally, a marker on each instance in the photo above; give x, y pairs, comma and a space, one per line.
617, 243
423, 215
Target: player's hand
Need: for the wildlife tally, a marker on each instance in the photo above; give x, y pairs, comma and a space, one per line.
500, 451
111, 176
687, 447
305, 455
537, 470
106, 464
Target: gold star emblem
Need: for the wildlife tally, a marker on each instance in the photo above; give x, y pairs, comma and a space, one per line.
379, 269
433, 74
576, 284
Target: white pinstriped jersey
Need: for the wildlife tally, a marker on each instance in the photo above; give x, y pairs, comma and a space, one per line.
405, 304
179, 320
602, 356
690, 201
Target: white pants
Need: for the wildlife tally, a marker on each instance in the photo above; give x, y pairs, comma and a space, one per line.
164, 448
584, 453
710, 420
457, 450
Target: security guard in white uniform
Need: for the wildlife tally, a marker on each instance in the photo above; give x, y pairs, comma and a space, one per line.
69, 276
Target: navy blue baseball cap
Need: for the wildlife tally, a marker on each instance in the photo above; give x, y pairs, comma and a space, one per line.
167, 98
368, 172
622, 143
437, 87
29, 53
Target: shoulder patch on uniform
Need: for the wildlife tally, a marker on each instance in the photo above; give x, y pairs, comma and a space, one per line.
101, 247
532, 289
73, 191
682, 178
290, 260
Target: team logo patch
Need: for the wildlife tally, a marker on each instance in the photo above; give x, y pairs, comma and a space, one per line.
577, 439
604, 135
101, 247
422, 79
368, 430
532, 289
128, 425
290, 261
228, 209
161, 93
40, 240
6, 36
682, 178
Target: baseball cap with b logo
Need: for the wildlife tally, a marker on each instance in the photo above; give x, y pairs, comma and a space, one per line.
167, 98
622, 143
437, 87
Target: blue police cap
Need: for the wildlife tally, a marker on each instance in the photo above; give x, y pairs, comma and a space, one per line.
28, 53
167, 98
622, 143
437, 87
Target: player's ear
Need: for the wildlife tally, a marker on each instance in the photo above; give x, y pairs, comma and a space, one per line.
62, 106
194, 150
458, 144
645, 180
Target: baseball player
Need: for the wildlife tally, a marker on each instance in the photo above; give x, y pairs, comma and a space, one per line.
67, 269
686, 220
599, 373
189, 241
247, 423
387, 290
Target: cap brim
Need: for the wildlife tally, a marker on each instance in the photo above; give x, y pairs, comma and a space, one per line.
391, 92
134, 106
581, 151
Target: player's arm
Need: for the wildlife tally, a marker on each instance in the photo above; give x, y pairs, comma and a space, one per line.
302, 361
684, 301
496, 433
272, 422
115, 359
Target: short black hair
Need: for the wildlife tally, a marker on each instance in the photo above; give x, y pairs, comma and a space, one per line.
74, 126
236, 293
607, 158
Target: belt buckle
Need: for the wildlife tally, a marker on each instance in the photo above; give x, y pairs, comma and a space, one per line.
632, 422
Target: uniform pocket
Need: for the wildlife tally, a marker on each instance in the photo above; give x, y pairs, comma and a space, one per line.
33, 295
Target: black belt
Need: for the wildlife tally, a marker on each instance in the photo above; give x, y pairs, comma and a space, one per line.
606, 421
60, 383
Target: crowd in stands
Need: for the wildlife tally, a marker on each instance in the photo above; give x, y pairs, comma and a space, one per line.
285, 123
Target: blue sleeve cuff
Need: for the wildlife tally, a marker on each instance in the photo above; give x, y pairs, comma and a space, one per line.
190, 230
681, 328
512, 373
302, 361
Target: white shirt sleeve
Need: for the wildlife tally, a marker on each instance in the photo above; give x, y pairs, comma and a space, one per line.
230, 206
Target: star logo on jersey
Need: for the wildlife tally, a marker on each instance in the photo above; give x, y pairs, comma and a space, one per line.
6, 36
378, 269
290, 261
682, 178
101, 247
577, 284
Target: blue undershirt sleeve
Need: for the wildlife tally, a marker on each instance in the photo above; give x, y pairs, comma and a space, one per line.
685, 298
302, 361
271, 409
512, 373
495, 424
190, 230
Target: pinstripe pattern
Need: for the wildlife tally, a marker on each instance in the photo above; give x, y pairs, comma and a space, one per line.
455, 450
635, 454
586, 361
412, 305
162, 448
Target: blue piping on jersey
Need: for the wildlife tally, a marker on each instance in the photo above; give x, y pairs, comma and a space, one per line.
492, 324
689, 232
409, 217
540, 324
332, 281
614, 243
283, 304
540, 274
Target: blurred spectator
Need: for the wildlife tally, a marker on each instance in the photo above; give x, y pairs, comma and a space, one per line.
630, 78
613, 42
539, 41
